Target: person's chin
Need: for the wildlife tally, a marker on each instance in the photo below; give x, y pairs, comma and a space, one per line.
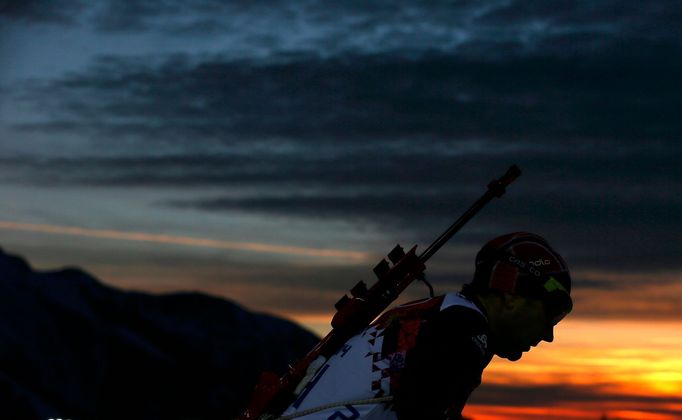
512, 355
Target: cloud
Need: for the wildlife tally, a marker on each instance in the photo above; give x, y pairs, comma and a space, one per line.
626, 17
548, 395
428, 131
581, 401
490, 29
184, 241
355, 98
658, 298
61, 12
605, 213
343, 173
408, 116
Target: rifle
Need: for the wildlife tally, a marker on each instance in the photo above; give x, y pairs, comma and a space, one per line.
274, 394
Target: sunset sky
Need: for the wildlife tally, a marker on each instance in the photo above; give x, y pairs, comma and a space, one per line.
271, 152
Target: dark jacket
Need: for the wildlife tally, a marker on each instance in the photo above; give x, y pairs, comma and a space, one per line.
452, 349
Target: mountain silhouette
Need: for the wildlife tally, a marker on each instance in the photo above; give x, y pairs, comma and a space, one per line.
74, 348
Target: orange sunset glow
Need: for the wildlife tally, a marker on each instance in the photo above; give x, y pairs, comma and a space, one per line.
620, 369
181, 240
623, 369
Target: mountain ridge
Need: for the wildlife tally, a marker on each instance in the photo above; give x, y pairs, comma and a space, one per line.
72, 347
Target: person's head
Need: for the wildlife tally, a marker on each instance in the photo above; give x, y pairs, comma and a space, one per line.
525, 287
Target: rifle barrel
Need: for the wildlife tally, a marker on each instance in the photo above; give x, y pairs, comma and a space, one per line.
275, 392
495, 189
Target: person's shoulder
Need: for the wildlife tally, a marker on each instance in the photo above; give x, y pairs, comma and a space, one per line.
458, 332
460, 322
464, 329
463, 311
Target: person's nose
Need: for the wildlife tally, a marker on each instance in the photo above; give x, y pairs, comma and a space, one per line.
549, 334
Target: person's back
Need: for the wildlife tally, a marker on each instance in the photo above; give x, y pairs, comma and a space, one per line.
370, 377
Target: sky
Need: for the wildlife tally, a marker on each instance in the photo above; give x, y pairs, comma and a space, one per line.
272, 152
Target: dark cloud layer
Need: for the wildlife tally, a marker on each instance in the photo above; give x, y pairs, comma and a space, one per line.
584, 97
358, 98
554, 395
391, 137
523, 25
605, 213
547, 395
63, 12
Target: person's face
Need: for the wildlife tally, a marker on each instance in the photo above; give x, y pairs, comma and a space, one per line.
521, 324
